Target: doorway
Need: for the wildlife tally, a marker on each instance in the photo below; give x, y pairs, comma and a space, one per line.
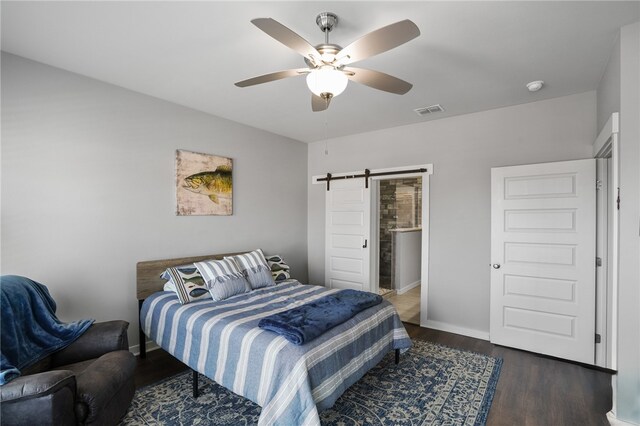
606, 152
399, 222
352, 228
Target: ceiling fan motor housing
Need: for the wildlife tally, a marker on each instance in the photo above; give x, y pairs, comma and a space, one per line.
326, 51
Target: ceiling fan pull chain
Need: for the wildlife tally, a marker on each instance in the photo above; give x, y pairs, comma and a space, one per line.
326, 129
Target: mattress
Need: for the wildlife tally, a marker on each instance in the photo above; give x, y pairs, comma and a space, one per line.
291, 383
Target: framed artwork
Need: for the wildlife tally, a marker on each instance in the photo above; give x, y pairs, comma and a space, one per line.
204, 184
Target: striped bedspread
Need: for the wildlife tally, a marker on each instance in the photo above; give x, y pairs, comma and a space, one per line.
291, 383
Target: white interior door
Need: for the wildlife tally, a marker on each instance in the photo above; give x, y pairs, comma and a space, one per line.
543, 258
348, 217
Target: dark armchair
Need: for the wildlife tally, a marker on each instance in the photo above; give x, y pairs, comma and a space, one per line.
90, 382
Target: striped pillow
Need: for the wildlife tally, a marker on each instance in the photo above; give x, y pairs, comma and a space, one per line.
223, 278
187, 282
255, 267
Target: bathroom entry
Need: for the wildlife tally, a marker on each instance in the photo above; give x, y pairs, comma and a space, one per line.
353, 206
399, 218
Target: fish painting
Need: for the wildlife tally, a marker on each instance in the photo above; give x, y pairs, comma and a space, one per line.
204, 184
211, 183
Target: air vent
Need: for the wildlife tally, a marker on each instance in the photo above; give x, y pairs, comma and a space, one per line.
429, 110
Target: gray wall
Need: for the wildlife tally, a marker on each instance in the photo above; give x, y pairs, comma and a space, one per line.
608, 93
88, 188
462, 149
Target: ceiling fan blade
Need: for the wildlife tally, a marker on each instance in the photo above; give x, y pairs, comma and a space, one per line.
272, 77
378, 80
318, 103
378, 41
287, 37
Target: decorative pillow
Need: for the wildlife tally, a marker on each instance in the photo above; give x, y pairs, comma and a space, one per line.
279, 269
223, 278
254, 266
170, 286
187, 282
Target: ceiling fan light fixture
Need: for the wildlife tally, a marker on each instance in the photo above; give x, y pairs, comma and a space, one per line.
327, 80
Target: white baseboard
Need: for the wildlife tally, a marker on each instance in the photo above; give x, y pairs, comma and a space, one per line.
408, 287
151, 346
450, 328
614, 421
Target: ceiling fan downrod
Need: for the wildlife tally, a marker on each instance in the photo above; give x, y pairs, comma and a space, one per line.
326, 21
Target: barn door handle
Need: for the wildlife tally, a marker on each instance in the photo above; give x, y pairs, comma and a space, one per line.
365, 244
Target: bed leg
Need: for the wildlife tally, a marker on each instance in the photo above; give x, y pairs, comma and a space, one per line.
195, 383
142, 337
397, 356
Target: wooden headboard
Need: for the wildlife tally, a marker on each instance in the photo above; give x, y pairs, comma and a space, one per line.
148, 273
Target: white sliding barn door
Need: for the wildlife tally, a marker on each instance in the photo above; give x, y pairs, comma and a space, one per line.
543, 258
348, 217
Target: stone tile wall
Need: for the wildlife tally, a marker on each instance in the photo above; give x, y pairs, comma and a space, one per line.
397, 210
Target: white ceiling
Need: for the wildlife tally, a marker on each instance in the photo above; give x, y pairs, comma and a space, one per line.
470, 56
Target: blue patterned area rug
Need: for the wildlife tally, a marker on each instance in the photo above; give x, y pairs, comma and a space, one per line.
432, 385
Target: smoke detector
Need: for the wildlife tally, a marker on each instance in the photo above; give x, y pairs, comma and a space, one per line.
534, 86
429, 110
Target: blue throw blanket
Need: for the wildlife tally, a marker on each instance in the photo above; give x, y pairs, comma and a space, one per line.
30, 329
305, 323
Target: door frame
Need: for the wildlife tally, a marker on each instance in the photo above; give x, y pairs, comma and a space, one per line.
606, 147
373, 233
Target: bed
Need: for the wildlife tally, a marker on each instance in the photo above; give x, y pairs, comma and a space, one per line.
222, 340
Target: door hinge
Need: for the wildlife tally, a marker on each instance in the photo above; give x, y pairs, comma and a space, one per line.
598, 261
598, 185
598, 338
618, 199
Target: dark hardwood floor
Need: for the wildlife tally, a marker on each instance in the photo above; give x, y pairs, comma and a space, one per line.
156, 366
532, 390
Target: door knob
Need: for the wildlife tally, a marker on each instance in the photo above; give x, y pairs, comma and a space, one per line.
365, 244
496, 266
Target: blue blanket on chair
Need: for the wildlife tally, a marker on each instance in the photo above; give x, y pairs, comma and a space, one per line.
305, 323
30, 329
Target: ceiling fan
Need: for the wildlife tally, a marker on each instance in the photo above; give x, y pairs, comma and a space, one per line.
327, 71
